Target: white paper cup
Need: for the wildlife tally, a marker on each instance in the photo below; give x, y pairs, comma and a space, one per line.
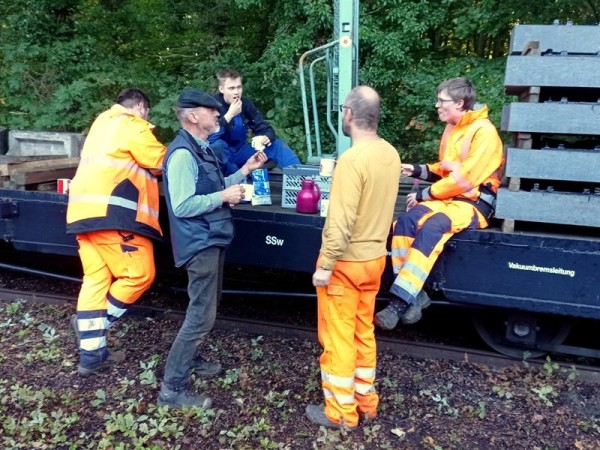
257, 143
326, 167
324, 207
248, 192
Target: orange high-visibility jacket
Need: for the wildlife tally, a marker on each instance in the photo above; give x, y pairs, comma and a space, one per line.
471, 155
114, 188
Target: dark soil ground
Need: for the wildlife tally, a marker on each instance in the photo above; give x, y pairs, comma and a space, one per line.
258, 403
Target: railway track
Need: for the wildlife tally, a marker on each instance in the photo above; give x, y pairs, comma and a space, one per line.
424, 350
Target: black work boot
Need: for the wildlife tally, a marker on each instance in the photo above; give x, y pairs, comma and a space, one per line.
207, 369
414, 312
178, 398
316, 414
388, 318
87, 371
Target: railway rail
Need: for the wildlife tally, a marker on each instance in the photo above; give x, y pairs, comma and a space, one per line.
424, 350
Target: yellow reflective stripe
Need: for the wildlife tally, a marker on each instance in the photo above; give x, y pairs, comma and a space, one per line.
400, 282
91, 324
91, 344
364, 389
399, 252
416, 270
341, 399
343, 382
364, 372
112, 200
107, 160
114, 311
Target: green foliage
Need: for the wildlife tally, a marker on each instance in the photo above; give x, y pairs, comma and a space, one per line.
64, 61
544, 393
148, 376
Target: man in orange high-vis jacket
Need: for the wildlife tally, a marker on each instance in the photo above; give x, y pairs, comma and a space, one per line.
351, 261
113, 210
462, 196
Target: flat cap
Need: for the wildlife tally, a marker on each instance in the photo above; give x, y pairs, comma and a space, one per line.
193, 98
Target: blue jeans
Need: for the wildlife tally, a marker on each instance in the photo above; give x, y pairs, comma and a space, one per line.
205, 279
234, 158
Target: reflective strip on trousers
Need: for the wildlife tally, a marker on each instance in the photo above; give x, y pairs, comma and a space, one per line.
343, 382
340, 398
92, 332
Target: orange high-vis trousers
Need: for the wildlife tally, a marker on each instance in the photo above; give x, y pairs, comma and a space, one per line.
116, 272
419, 238
346, 333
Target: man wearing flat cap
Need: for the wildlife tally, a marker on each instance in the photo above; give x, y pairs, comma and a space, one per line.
199, 199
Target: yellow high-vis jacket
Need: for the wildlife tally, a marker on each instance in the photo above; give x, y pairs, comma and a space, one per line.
115, 187
471, 156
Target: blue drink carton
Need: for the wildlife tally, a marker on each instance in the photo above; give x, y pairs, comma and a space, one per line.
262, 189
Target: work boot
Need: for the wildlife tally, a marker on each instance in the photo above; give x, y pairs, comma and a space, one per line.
413, 314
204, 368
388, 318
87, 371
73, 322
178, 398
113, 358
316, 414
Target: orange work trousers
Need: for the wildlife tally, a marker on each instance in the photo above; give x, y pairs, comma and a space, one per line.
346, 333
419, 238
116, 272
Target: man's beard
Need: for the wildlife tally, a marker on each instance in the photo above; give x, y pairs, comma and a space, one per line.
345, 129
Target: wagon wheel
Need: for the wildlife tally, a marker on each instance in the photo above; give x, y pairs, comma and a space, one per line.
515, 333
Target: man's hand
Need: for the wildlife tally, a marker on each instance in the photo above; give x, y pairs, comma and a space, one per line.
256, 161
407, 169
411, 200
233, 195
264, 140
235, 108
321, 277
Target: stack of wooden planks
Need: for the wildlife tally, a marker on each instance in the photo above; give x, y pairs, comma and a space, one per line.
555, 126
35, 172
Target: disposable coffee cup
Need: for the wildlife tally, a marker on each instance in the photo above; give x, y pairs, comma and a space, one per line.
62, 185
257, 143
326, 167
324, 207
248, 192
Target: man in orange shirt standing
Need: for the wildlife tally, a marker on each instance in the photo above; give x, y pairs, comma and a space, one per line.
351, 261
113, 210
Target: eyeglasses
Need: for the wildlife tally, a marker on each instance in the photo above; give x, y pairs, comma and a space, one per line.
344, 106
441, 101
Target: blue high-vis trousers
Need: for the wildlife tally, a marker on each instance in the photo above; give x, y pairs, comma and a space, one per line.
419, 238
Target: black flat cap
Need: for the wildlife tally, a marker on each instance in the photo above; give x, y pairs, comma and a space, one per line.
193, 98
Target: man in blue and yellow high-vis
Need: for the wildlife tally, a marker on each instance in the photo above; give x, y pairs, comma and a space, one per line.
113, 210
462, 196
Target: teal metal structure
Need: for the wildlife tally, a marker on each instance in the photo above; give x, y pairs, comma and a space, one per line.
340, 59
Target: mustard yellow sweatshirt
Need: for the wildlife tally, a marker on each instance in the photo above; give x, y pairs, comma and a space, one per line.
361, 204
